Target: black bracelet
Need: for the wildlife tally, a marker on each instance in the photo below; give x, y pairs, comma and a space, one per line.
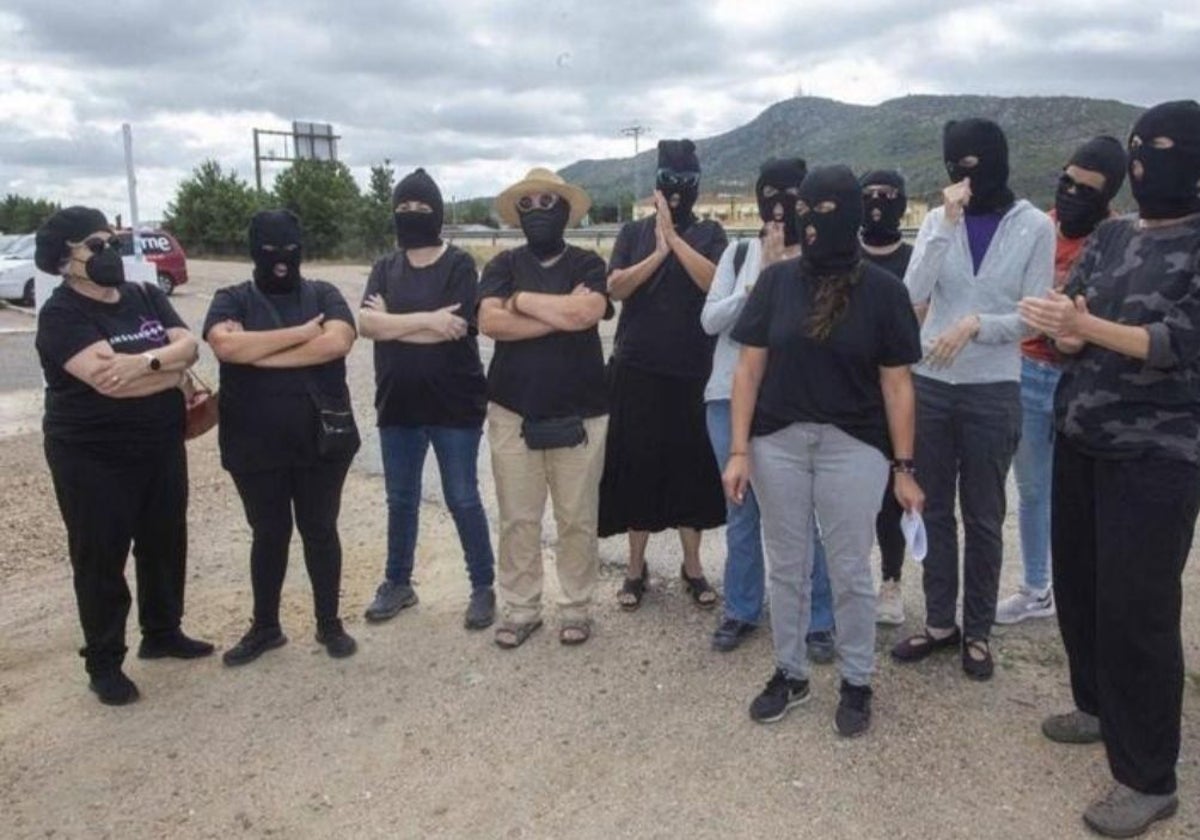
904, 465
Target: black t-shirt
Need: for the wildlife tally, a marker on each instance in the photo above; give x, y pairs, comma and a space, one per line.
428, 384
268, 417
659, 329
556, 375
75, 412
895, 262
834, 381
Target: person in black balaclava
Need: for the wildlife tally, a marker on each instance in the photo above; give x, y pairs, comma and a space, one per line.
418, 211
884, 202
1079, 205
541, 304
1164, 161
822, 401
659, 469
113, 356
977, 149
776, 190
1125, 486
974, 259
1091, 178
275, 247
287, 433
419, 310
678, 178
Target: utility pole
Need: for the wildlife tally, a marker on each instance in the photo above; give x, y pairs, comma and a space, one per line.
634, 131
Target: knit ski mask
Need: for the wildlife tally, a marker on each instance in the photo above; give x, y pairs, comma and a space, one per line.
1164, 180
279, 231
829, 240
881, 214
416, 229
679, 175
1079, 208
984, 140
783, 178
544, 228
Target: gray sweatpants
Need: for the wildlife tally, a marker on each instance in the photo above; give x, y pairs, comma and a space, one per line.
799, 469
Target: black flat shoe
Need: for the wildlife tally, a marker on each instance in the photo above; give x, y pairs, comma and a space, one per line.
977, 659
338, 643
915, 648
113, 688
174, 645
253, 645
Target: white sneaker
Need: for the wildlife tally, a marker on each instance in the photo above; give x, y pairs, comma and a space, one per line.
889, 605
1025, 603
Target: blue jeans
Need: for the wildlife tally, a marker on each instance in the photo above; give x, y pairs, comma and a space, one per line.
457, 452
744, 570
1033, 467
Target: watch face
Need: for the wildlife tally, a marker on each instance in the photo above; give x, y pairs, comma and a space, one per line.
155, 363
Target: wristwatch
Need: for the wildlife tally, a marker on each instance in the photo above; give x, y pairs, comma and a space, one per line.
152, 361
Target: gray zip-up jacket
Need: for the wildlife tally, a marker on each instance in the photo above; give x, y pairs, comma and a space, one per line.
726, 299
1018, 263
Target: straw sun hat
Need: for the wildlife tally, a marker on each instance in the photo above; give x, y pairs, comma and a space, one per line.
541, 180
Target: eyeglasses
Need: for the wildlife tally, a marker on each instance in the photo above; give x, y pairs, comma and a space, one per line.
537, 201
888, 193
672, 180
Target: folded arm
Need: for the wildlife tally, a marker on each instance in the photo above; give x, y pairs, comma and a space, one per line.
500, 323
578, 311
334, 342
233, 344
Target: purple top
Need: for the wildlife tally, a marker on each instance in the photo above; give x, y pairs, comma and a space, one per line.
980, 230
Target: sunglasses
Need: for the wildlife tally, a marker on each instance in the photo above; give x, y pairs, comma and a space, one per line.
888, 193
97, 246
672, 180
536, 201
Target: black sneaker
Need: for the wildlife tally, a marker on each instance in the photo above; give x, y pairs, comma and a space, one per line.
730, 634
114, 688
174, 645
481, 609
822, 648
782, 693
338, 643
853, 716
253, 645
390, 598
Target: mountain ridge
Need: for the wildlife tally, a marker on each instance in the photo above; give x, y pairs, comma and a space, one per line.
902, 133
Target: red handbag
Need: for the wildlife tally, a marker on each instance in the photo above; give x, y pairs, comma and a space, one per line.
203, 407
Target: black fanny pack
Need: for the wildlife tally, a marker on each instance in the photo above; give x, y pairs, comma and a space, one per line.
554, 433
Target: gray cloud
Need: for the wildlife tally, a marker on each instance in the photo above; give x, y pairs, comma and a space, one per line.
476, 86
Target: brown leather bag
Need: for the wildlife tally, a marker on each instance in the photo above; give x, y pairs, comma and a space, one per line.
202, 407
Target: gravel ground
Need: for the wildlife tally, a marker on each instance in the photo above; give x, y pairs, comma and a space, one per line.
430, 731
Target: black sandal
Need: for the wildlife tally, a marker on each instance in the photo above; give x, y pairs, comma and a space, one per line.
635, 588
702, 594
980, 668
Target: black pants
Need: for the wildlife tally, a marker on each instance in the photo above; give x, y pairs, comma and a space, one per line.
314, 492
966, 438
108, 501
888, 533
1120, 534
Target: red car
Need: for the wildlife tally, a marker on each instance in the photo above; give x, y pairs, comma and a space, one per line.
162, 249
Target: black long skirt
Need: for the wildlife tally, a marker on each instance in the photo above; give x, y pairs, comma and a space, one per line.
659, 467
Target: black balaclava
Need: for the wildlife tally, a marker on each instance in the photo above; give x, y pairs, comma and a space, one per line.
1079, 208
834, 248
1167, 187
881, 216
679, 156
544, 229
418, 230
71, 224
989, 178
278, 229
783, 175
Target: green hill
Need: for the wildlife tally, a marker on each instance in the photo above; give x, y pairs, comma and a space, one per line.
903, 134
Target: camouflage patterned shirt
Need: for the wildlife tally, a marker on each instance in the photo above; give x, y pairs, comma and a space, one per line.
1115, 406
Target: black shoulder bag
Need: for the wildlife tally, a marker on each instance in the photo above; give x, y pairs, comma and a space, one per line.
337, 433
554, 433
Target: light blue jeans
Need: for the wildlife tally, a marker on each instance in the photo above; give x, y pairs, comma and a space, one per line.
1033, 465
744, 575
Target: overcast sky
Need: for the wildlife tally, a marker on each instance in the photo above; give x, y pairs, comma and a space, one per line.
478, 91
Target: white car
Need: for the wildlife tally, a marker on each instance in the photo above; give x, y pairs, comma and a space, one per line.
16, 279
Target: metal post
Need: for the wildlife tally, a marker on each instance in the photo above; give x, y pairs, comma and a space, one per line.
131, 179
257, 162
